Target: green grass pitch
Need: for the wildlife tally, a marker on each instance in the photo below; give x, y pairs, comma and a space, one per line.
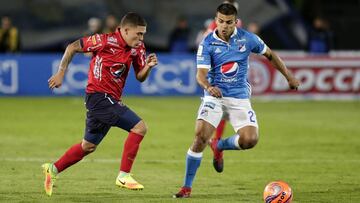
314, 146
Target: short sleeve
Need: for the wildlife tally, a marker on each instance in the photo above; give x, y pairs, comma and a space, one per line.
259, 47
203, 59
93, 43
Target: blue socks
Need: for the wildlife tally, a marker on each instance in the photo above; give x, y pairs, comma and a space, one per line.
193, 161
230, 143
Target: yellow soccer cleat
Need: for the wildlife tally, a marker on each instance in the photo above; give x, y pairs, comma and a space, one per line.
50, 177
127, 181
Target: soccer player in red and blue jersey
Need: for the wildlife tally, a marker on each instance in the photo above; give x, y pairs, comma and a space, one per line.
112, 56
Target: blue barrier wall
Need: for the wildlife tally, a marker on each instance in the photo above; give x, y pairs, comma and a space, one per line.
27, 74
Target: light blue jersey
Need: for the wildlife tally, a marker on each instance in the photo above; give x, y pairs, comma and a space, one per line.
228, 63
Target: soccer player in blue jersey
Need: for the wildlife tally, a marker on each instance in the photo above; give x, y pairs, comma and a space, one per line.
223, 63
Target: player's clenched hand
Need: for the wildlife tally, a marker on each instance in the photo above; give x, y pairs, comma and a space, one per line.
56, 80
293, 83
214, 91
151, 60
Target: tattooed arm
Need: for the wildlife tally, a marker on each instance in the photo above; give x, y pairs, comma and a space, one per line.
55, 81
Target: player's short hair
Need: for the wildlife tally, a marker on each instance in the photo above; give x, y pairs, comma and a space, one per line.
133, 19
227, 9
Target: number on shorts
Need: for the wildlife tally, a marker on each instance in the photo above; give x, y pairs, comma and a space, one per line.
251, 113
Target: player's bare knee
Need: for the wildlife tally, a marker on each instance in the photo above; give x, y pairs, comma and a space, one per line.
248, 140
200, 141
140, 128
88, 147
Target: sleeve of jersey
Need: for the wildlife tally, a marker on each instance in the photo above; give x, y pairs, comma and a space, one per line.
259, 47
139, 60
93, 43
203, 59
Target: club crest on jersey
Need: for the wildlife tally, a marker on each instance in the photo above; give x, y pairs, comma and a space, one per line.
242, 48
133, 52
229, 69
117, 70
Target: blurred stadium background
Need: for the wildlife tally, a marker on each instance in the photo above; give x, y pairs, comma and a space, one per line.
314, 145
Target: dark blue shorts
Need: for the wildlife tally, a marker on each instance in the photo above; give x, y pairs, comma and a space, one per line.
103, 112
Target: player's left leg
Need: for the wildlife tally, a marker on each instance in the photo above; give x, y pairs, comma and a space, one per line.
246, 138
218, 160
243, 119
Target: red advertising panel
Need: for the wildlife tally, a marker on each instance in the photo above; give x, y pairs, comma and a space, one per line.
321, 78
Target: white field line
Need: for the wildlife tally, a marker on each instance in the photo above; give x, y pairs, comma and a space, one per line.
172, 161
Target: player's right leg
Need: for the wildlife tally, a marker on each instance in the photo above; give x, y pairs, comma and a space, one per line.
131, 147
121, 116
203, 132
209, 116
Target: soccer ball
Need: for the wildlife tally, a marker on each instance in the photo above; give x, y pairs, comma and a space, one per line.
277, 192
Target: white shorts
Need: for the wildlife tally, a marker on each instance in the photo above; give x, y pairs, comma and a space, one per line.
239, 111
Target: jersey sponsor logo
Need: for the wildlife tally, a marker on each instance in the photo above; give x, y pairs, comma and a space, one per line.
117, 70
229, 70
112, 39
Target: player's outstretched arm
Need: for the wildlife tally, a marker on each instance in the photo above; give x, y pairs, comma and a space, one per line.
276, 61
150, 62
204, 83
57, 78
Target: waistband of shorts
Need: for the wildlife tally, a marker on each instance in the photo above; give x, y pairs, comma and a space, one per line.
101, 94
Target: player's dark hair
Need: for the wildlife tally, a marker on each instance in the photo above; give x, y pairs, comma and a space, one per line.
134, 19
227, 9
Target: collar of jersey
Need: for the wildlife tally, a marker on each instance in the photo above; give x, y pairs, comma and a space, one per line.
121, 39
218, 38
